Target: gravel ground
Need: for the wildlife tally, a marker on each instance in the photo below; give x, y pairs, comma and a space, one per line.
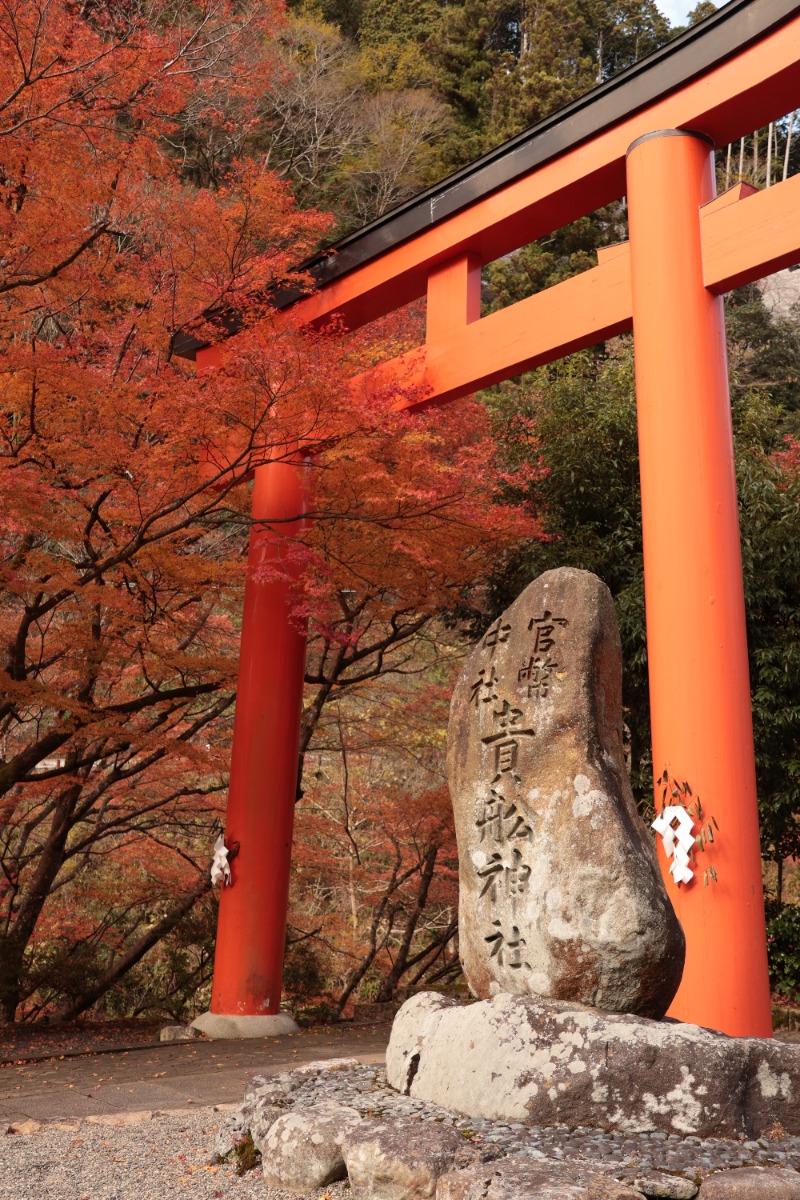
164, 1157
169, 1154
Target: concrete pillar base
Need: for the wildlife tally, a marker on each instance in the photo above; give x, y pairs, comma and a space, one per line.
223, 1025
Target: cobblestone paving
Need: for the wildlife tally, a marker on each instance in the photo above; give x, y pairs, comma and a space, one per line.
627, 1156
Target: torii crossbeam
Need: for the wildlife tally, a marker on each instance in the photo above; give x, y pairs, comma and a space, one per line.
648, 135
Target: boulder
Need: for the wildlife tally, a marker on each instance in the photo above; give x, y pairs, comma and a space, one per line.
774, 1090
271, 1089
665, 1187
560, 891
179, 1033
302, 1149
231, 1129
262, 1117
254, 1118
517, 1178
265, 1100
752, 1183
546, 1062
399, 1159
322, 1065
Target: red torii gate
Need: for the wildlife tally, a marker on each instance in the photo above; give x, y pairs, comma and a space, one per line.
649, 135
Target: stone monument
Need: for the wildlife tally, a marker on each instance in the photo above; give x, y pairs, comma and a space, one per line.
568, 939
560, 891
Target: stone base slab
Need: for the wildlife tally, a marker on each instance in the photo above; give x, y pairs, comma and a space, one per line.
545, 1062
225, 1025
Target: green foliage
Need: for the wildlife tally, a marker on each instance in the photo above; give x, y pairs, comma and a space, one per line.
765, 355
770, 525
302, 972
172, 981
565, 252
246, 1156
504, 65
699, 13
383, 21
783, 948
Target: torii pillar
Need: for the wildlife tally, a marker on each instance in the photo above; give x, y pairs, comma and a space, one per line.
696, 641
251, 930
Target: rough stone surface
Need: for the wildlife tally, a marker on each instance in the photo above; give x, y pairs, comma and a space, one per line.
545, 1062
752, 1183
670, 1164
520, 1179
271, 1089
23, 1127
179, 1033
399, 1160
218, 1025
303, 1148
231, 1130
263, 1118
560, 891
265, 1099
320, 1064
774, 1094
670, 1187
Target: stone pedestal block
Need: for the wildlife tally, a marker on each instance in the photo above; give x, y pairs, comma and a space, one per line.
545, 1062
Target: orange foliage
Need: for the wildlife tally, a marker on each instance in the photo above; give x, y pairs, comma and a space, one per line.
125, 520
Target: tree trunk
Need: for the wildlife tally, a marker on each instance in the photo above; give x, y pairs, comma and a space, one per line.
401, 961
10, 971
358, 973
131, 957
788, 147
14, 944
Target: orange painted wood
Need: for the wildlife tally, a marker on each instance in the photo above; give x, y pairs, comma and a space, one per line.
251, 928
757, 85
546, 326
753, 238
454, 297
696, 641
746, 234
682, 254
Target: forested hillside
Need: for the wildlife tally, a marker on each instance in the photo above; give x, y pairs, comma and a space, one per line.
220, 143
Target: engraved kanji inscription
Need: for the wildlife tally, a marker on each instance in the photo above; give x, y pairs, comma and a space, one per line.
536, 673
483, 689
499, 820
505, 742
508, 950
544, 628
496, 634
511, 876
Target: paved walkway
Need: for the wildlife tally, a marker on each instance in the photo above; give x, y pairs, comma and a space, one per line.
171, 1075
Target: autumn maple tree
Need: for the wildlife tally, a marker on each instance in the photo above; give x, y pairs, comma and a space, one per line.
124, 475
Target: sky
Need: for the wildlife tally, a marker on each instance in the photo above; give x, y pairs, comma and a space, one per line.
676, 10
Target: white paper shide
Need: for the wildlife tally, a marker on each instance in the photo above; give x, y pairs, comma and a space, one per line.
675, 825
220, 868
